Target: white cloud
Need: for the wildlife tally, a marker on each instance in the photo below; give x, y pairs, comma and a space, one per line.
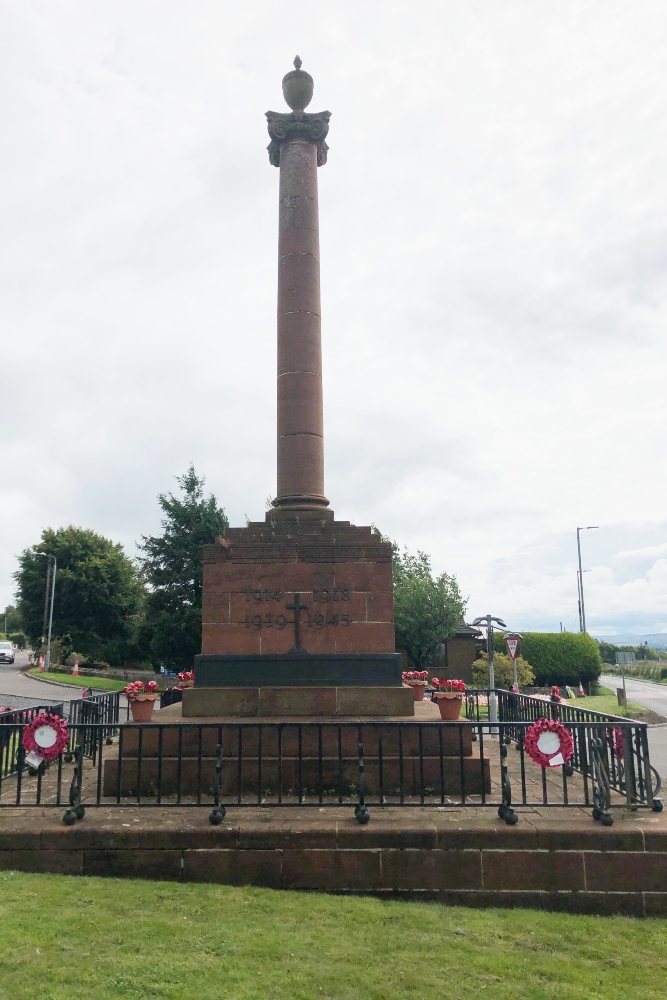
493, 258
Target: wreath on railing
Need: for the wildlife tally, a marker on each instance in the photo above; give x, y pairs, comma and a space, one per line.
548, 743
44, 738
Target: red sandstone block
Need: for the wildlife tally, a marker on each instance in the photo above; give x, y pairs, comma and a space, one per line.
492, 900
431, 869
299, 343
233, 867
364, 576
300, 465
331, 870
299, 284
215, 608
294, 577
282, 833
163, 865
241, 606
655, 840
626, 871
297, 234
544, 870
380, 607
602, 904
369, 637
297, 701
275, 640
64, 862
230, 639
300, 403
387, 833
585, 837
454, 831
227, 575
354, 606
655, 904
23, 836
297, 211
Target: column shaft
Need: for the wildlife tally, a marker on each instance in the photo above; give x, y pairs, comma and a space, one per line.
300, 417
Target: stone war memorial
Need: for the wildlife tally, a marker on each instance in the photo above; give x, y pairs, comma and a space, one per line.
298, 608
298, 700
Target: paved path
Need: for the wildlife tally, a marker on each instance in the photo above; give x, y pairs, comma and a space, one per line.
653, 696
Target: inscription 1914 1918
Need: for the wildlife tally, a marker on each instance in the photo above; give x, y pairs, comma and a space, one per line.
321, 596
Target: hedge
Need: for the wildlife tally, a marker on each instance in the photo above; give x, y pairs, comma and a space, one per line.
558, 657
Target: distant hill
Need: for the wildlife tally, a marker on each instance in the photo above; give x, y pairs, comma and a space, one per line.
657, 640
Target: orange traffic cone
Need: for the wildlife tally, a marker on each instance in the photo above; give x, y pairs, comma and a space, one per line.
41, 664
581, 693
75, 671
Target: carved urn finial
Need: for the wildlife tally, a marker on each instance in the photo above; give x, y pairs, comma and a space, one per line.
298, 87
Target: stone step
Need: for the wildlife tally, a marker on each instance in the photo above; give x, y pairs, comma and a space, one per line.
329, 774
184, 739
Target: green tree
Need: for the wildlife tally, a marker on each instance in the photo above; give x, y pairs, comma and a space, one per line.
10, 620
607, 651
97, 596
559, 657
172, 564
503, 671
427, 609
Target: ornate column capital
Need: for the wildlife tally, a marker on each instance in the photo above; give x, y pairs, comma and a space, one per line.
298, 125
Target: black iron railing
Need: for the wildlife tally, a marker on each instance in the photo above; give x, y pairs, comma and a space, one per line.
365, 766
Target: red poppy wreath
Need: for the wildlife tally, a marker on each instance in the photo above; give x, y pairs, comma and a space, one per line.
45, 738
549, 743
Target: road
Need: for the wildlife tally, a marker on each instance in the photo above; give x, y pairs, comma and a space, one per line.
20, 691
653, 696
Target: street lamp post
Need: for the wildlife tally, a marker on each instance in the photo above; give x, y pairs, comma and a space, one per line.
488, 621
47, 664
582, 609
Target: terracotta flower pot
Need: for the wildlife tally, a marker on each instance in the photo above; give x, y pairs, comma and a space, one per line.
142, 707
418, 689
449, 705
186, 684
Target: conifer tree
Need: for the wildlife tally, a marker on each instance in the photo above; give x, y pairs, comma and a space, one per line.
172, 564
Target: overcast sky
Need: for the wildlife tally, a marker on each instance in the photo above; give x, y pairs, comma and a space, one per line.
494, 248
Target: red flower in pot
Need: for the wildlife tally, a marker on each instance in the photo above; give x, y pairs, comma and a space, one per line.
448, 696
141, 697
417, 680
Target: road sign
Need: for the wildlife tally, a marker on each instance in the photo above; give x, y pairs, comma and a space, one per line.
625, 657
512, 643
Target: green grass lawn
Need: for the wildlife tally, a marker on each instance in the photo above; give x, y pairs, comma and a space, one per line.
608, 703
97, 683
106, 939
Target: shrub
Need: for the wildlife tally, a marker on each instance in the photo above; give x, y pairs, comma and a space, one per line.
503, 671
559, 657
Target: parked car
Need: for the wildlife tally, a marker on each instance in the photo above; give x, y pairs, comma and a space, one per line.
6, 652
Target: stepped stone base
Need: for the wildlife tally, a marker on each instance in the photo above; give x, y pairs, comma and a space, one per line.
556, 861
315, 776
281, 702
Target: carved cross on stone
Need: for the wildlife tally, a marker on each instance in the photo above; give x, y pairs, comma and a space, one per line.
297, 607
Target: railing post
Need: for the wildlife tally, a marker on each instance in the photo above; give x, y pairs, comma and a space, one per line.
76, 810
361, 812
218, 812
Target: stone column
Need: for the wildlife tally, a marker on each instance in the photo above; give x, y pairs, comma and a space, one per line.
298, 147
